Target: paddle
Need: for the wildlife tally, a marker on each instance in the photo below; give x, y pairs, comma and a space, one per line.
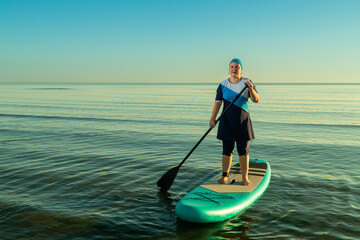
165, 182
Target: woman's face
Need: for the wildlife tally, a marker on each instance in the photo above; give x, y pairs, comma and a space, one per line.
235, 70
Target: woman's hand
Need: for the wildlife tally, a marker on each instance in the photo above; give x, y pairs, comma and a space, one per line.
216, 108
250, 85
212, 123
254, 96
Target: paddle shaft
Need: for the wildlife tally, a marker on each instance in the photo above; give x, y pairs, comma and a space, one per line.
209, 130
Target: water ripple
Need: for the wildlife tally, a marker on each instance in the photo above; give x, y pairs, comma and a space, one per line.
77, 170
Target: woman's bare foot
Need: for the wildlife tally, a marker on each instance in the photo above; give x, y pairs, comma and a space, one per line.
223, 180
246, 181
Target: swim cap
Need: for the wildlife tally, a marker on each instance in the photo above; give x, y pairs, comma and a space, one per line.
237, 61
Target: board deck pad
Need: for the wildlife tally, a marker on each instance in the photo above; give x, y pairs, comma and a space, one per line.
256, 174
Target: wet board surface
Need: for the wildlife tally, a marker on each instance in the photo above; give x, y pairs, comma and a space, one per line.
214, 202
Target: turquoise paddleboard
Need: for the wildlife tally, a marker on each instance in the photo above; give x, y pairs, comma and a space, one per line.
214, 202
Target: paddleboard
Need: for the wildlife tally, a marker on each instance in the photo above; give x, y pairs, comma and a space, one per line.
214, 202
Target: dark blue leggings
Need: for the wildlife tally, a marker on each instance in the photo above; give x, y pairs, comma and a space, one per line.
241, 146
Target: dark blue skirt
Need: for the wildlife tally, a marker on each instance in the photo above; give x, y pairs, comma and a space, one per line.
235, 125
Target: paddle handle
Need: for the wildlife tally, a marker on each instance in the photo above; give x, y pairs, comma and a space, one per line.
209, 130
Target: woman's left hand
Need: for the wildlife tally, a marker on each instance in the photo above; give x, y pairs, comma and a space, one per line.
253, 94
249, 84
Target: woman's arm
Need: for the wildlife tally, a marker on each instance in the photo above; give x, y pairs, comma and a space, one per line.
215, 111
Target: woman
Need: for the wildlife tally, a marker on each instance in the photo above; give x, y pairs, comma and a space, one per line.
235, 125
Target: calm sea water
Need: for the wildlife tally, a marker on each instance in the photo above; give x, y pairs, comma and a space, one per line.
81, 161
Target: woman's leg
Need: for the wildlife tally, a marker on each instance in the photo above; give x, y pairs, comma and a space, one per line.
228, 149
243, 151
244, 167
226, 164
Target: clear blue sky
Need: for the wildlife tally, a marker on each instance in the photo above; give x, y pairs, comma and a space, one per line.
179, 41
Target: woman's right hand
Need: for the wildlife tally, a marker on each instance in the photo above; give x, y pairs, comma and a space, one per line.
212, 123
216, 108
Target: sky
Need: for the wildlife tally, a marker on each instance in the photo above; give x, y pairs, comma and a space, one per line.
189, 41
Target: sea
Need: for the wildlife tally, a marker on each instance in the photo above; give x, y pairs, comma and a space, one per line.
81, 161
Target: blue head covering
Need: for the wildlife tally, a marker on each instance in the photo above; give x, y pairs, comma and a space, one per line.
237, 61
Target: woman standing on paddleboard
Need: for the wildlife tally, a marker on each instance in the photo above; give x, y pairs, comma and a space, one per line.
235, 125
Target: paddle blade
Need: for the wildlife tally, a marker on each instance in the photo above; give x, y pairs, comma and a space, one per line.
167, 180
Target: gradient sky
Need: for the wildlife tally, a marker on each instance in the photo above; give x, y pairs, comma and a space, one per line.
179, 41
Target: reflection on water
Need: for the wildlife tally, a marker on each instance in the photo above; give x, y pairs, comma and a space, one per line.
234, 228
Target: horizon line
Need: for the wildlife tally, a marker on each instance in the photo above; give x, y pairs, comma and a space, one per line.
257, 83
